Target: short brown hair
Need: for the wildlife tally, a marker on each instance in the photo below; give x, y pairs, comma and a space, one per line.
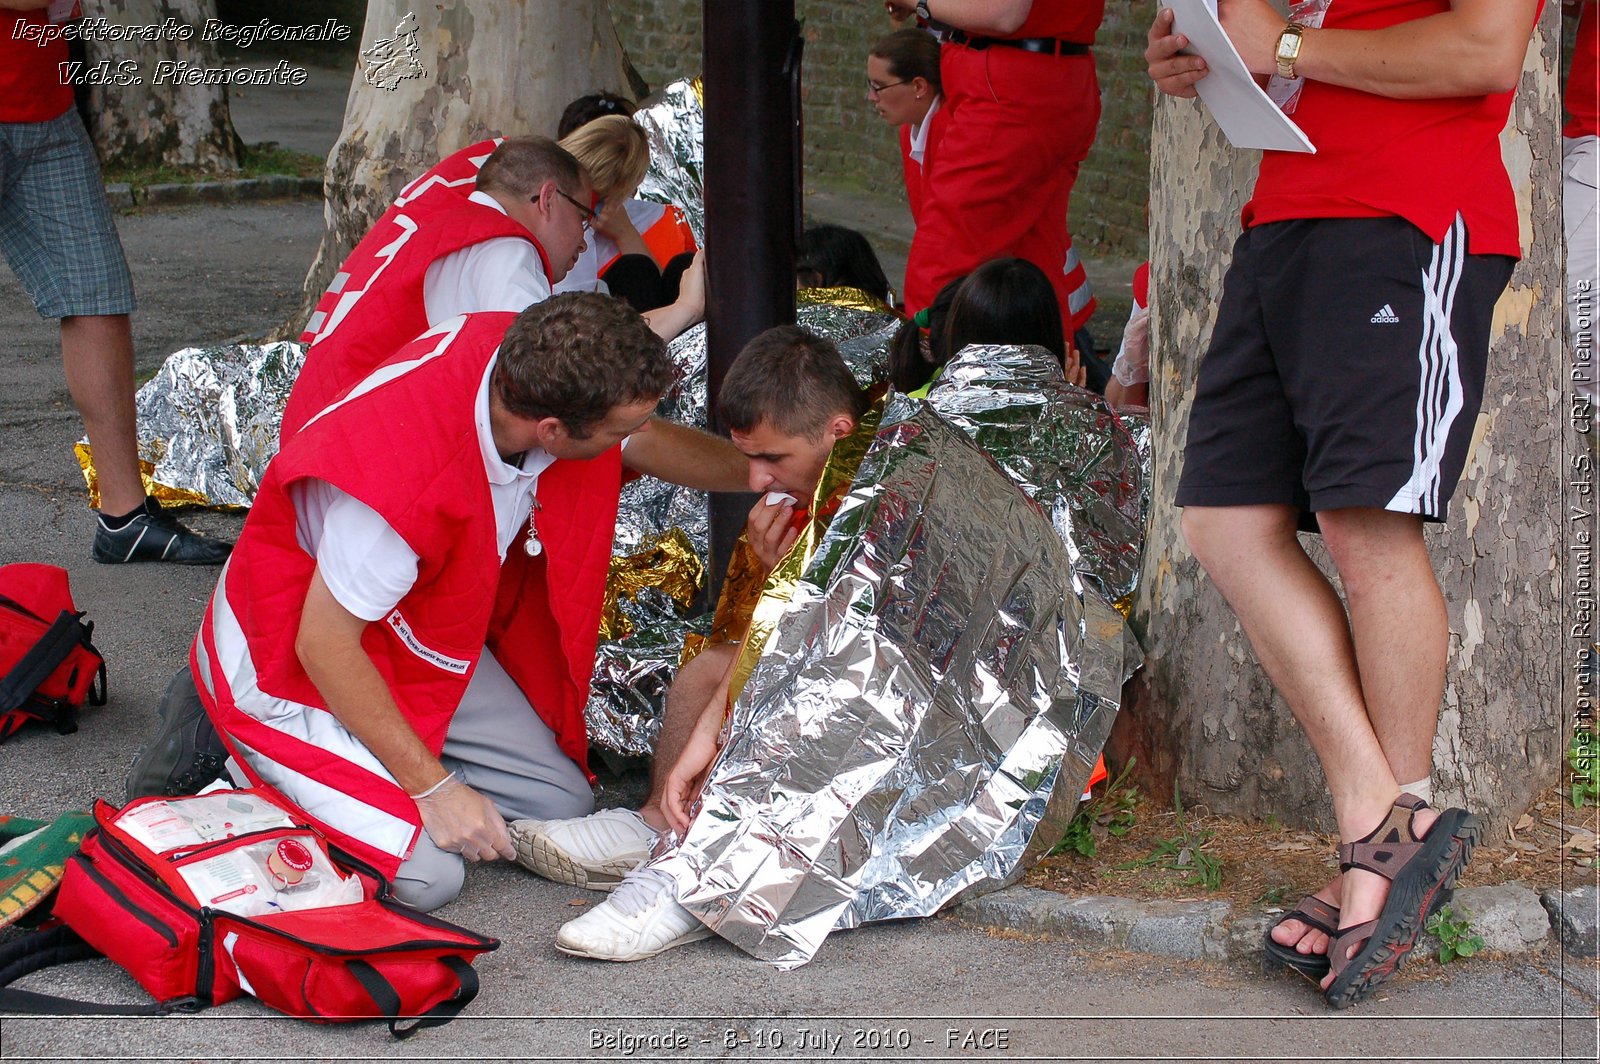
613, 151
793, 380
910, 54
576, 356
521, 165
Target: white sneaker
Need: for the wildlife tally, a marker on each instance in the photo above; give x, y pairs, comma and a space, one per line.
592, 852
642, 918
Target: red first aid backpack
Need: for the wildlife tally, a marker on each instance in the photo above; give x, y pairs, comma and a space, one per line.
48, 666
372, 959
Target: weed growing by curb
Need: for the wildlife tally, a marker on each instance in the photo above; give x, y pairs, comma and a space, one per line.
1454, 933
1184, 852
1110, 813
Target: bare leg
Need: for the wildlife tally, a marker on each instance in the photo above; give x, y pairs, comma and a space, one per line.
1401, 636
97, 352
691, 689
1401, 633
1298, 628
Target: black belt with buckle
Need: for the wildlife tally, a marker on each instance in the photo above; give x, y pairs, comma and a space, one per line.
1040, 45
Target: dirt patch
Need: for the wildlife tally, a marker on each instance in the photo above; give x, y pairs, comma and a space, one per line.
1261, 864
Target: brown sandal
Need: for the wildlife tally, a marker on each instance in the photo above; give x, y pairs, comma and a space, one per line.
1314, 913
1421, 873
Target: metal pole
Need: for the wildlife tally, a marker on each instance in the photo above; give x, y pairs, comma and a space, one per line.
752, 196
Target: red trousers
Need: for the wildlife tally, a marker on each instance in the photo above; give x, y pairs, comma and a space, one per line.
1018, 126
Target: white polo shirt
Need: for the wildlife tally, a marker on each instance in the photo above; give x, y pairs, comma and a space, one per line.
502, 273
365, 563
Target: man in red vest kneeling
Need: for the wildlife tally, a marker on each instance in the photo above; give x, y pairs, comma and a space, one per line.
402, 641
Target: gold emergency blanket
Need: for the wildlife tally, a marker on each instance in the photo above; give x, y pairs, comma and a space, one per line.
644, 633
928, 688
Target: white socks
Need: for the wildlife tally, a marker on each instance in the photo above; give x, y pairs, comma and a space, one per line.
1423, 789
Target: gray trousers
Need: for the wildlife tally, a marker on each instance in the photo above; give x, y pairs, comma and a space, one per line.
500, 748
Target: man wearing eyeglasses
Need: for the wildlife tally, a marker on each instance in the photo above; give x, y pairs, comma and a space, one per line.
491, 228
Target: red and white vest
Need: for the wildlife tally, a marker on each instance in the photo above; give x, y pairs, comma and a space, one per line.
540, 616
375, 302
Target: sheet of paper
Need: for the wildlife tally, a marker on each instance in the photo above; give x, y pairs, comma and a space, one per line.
1245, 113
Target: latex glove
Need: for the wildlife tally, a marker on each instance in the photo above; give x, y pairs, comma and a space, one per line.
460, 820
1133, 360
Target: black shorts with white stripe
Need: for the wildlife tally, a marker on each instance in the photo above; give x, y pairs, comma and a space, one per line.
1346, 369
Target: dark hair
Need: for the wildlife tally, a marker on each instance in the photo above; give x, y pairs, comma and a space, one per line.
1004, 301
792, 379
831, 255
520, 165
576, 356
913, 358
586, 109
910, 54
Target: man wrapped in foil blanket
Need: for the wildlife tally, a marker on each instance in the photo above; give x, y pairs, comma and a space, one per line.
929, 670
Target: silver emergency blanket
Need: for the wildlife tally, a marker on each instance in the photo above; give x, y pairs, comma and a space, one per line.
1137, 421
925, 705
628, 691
1062, 445
674, 122
208, 421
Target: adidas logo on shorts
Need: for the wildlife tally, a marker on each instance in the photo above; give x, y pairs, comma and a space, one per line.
1386, 316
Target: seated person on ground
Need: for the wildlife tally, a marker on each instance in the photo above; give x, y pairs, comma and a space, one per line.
405, 663
637, 250
787, 399
832, 256
1004, 301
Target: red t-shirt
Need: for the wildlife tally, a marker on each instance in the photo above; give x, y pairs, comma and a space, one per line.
1066, 20
1583, 81
1421, 160
30, 73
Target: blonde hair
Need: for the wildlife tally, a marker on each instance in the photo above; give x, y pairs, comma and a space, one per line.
613, 151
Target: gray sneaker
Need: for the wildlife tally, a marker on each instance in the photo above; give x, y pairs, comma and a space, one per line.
185, 753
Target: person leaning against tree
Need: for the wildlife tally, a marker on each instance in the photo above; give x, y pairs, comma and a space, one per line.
1341, 386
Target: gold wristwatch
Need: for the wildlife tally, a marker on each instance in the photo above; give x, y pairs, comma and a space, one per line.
1289, 48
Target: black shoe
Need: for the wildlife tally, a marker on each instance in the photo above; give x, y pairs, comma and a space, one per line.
156, 536
185, 753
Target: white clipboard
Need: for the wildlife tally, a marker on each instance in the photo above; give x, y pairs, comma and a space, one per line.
1243, 110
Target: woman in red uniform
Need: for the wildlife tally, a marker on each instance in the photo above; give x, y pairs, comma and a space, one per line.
903, 85
1020, 106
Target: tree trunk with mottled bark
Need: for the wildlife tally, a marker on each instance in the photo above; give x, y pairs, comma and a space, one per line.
1202, 714
159, 120
486, 70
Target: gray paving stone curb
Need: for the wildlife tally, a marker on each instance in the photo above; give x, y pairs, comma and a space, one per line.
1575, 915
1511, 918
125, 197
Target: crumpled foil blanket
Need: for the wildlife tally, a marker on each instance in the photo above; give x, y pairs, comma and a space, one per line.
208, 422
674, 122
927, 692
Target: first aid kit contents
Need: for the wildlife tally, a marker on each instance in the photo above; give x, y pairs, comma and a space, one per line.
204, 898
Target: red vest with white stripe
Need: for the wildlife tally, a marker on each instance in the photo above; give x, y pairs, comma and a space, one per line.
540, 616
375, 302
